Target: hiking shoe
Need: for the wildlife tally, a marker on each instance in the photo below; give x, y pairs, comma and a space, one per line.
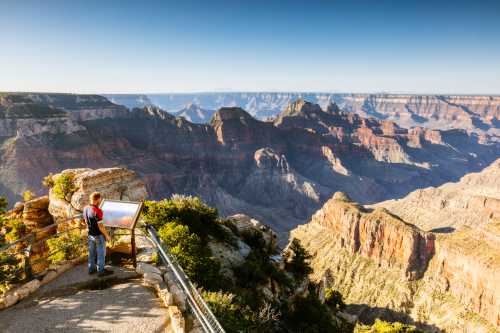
92, 272
105, 272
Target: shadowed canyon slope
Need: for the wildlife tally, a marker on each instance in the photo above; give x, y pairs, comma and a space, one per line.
279, 172
431, 258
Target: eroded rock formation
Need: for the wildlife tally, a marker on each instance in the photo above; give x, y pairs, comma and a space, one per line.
383, 261
280, 172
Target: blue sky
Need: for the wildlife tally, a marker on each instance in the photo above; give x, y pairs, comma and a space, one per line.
169, 46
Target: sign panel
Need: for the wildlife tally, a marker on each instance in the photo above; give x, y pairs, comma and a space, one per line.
120, 214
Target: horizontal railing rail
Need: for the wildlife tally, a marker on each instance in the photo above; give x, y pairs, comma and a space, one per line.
196, 303
31, 236
32, 239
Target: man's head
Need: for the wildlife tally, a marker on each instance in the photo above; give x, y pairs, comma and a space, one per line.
95, 198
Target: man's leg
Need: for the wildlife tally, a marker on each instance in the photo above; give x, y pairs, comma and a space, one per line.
92, 253
101, 252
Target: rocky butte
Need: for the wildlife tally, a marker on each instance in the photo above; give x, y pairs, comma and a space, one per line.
431, 258
279, 172
478, 114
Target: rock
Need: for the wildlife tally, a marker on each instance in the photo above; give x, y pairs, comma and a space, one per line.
27, 289
113, 183
146, 255
151, 278
177, 293
143, 268
8, 300
176, 319
61, 268
375, 255
244, 223
228, 257
36, 215
18, 207
51, 275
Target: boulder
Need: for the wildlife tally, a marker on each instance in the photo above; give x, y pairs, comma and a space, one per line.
152, 279
143, 268
113, 183
244, 223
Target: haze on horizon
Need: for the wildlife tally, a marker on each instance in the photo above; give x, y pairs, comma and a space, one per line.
431, 47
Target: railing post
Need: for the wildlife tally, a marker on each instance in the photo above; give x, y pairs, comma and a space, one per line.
27, 254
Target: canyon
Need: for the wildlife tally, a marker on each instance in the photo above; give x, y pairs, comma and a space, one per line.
479, 114
431, 258
279, 171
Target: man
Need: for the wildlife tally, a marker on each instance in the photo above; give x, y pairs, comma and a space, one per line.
97, 237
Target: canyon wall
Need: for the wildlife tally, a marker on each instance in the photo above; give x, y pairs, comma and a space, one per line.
431, 258
280, 172
480, 114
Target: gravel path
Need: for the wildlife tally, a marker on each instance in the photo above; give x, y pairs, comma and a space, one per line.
75, 303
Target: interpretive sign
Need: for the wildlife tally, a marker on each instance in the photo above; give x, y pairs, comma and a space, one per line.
122, 215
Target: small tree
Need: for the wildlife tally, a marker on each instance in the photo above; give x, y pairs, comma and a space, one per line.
334, 299
48, 181
63, 186
28, 195
192, 254
298, 258
3, 205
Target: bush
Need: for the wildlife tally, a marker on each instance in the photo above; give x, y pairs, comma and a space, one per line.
308, 314
48, 181
190, 211
3, 205
192, 254
381, 326
231, 315
252, 272
66, 246
297, 259
254, 239
28, 195
15, 229
333, 298
63, 186
11, 271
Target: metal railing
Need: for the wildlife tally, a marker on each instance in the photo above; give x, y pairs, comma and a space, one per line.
27, 242
195, 301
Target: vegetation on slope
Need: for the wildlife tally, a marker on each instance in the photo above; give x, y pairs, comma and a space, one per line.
11, 266
186, 225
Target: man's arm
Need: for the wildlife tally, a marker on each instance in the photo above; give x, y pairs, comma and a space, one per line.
104, 231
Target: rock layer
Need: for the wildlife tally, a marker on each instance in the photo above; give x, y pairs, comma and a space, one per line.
385, 265
281, 172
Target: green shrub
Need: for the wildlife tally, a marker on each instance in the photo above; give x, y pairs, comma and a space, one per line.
3, 205
308, 314
66, 246
251, 273
190, 211
192, 254
334, 299
297, 259
15, 229
381, 326
254, 239
63, 186
11, 271
28, 195
48, 181
231, 315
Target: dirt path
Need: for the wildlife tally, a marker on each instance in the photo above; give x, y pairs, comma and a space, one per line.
77, 302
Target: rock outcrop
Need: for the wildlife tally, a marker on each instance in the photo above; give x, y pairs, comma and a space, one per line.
386, 265
480, 114
113, 183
